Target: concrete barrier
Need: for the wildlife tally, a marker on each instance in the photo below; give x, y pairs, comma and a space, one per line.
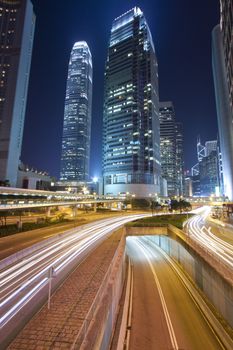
97, 330
123, 338
217, 289
142, 231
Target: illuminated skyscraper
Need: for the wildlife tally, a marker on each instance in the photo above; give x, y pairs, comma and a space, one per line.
222, 58
180, 158
77, 116
17, 23
171, 147
168, 146
131, 154
226, 25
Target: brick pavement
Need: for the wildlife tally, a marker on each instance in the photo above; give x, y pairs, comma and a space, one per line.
58, 327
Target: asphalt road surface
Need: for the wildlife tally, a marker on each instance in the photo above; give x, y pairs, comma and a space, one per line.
164, 315
16, 242
23, 281
199, 229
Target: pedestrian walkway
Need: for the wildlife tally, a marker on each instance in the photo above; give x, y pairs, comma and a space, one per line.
58, 327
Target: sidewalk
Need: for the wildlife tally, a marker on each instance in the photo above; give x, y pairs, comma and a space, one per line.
58, 327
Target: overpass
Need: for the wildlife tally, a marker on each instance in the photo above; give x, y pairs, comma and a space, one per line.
18, 198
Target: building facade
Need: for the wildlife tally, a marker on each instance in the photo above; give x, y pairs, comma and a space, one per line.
180, 158
17, 23
172, 149
226, 25
211, 146
209, 174
206, 174
168, 146
131, 150
76, 137
222, 61
33, 179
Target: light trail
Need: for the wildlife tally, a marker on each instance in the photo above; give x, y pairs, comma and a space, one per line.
198, 230
27, 277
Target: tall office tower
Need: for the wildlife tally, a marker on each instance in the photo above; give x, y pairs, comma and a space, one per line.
200, 155
211, 146
226, 25
222, 59
168, 146
17, 23
214, 146
209, 174
131, 154
75, 154
180, 158
200, 150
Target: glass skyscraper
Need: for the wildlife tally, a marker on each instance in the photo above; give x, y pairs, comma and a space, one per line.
168, 146
77, 116
180, 158
222, 58
17, 23
131, 154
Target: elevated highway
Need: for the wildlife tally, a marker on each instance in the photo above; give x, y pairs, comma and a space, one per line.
18, 199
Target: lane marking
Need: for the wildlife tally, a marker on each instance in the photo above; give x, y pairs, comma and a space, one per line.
189, 289
162, 299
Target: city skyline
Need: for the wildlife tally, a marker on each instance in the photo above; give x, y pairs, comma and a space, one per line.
124, 239
54, 110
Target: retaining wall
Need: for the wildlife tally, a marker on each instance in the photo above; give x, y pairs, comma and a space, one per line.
218, 290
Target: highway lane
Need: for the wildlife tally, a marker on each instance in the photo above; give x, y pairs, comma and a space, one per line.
16, 242
24, 280
199, 230
164, 314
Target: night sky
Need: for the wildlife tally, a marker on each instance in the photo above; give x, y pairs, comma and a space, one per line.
181, 31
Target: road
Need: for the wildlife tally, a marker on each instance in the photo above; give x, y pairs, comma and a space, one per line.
164, 314
16, 242
23, 282
203, 232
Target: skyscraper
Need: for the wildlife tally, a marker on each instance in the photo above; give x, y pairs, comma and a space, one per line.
206, 174
131, 155
222, 59
211, 146
77, 115
180, 158
209, 174
17, 23
168, 146
226, 25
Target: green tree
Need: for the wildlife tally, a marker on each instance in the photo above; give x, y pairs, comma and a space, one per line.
140, 203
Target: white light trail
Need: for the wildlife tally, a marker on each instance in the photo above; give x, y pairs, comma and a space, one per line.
199, 230
27, 277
